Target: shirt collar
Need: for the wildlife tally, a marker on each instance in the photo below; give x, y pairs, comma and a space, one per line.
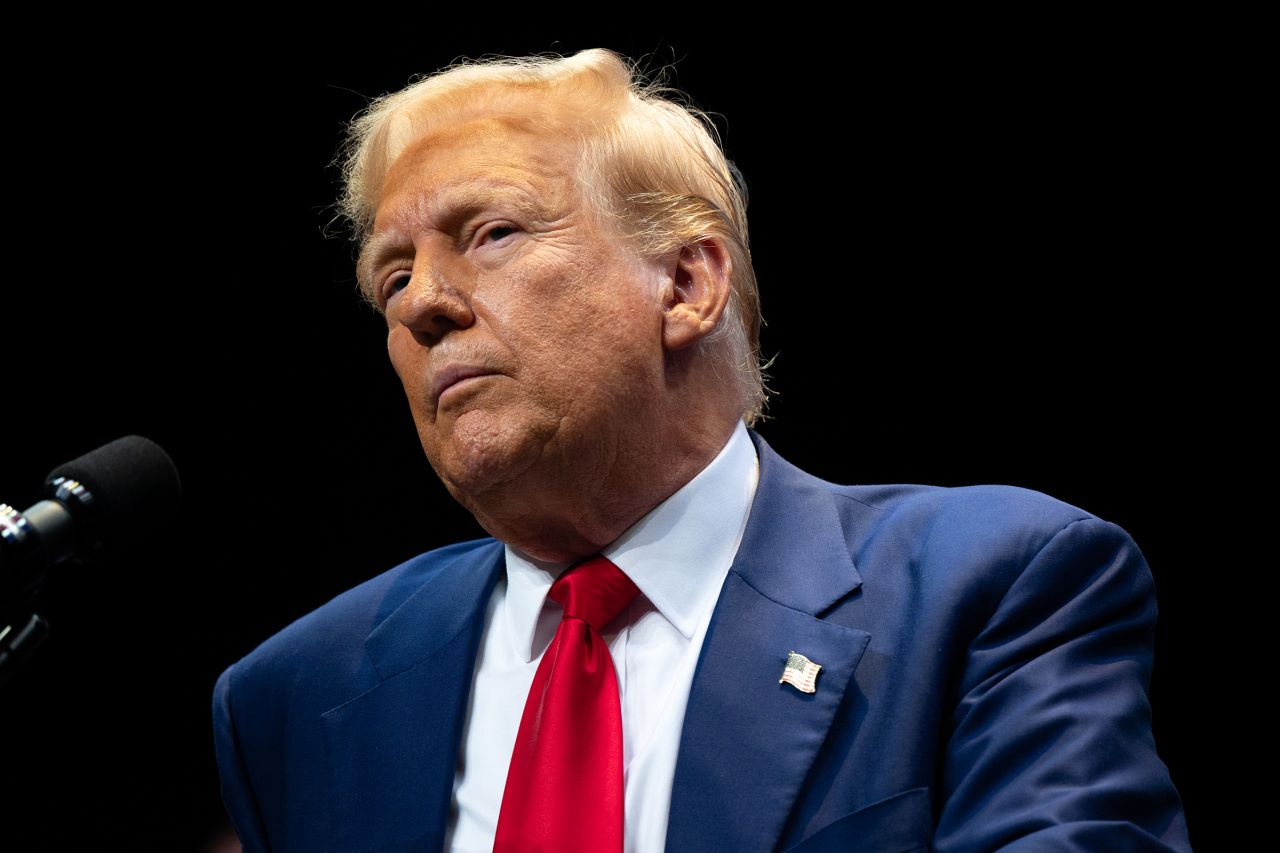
678, 554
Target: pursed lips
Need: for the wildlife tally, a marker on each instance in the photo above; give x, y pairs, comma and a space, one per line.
452, 374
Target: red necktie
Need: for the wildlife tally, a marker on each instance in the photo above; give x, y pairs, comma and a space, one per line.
564, 788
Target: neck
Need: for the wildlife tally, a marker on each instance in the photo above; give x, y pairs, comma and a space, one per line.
587, 498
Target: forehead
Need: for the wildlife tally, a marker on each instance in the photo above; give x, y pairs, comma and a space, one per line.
467, 161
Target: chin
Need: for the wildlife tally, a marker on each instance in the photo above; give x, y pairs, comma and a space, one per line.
481, 454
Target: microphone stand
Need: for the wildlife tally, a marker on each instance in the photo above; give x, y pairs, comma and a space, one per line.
135, 486
22, 629
17, 647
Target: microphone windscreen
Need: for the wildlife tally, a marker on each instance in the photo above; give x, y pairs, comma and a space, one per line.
134, 483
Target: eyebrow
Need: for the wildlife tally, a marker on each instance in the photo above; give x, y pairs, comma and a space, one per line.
372, 253
452, 204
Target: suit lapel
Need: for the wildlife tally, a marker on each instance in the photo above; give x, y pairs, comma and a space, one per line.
393, 750
748, 742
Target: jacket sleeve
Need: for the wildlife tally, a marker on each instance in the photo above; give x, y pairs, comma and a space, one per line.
237, 791
1050, 744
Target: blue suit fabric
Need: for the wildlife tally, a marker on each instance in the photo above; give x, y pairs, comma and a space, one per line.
986, 655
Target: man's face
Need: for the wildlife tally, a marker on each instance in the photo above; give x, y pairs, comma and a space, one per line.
526, 333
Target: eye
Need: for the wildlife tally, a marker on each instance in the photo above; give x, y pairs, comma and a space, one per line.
498, 233
396, 283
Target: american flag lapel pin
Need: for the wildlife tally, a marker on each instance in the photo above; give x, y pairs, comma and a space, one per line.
800, 673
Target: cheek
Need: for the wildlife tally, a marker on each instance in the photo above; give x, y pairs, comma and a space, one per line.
397, 352
573, 332
607, 350
407, 360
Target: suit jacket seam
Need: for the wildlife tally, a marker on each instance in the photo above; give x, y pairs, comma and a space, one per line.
772, 600
466, 623
234, 673
1031, 560
871, 506
384, 679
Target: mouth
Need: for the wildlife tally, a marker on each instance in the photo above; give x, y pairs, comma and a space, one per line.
454, 375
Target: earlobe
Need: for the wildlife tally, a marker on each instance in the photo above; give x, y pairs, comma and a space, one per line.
696, 293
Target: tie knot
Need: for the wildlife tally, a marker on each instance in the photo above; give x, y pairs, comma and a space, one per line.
594, 591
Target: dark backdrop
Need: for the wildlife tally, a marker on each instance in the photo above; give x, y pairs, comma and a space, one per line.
956, 240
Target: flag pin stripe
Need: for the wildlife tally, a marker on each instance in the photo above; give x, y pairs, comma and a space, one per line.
800, 672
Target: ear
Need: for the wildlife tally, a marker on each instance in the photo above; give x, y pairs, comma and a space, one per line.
695, 293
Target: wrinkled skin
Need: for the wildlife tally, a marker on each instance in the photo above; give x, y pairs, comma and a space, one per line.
574, 398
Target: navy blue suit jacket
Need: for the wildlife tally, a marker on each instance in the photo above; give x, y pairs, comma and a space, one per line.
986, 655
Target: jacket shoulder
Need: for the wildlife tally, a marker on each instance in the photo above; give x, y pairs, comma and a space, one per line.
967, 509
971, 524
965, 548
326, 646
957, 508
950, 539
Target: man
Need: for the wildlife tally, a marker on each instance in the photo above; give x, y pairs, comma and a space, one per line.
561, 256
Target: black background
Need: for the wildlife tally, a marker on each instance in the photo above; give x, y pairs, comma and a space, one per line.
958, 234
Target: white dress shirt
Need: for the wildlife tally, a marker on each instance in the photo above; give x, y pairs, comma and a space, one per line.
678, 555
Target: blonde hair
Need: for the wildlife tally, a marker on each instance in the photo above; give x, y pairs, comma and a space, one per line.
650, 162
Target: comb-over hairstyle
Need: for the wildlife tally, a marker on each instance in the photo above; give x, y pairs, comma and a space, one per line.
650, 163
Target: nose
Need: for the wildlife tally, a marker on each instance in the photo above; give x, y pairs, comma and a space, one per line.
432, 304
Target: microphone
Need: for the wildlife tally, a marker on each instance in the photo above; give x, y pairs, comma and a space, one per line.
110, 497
